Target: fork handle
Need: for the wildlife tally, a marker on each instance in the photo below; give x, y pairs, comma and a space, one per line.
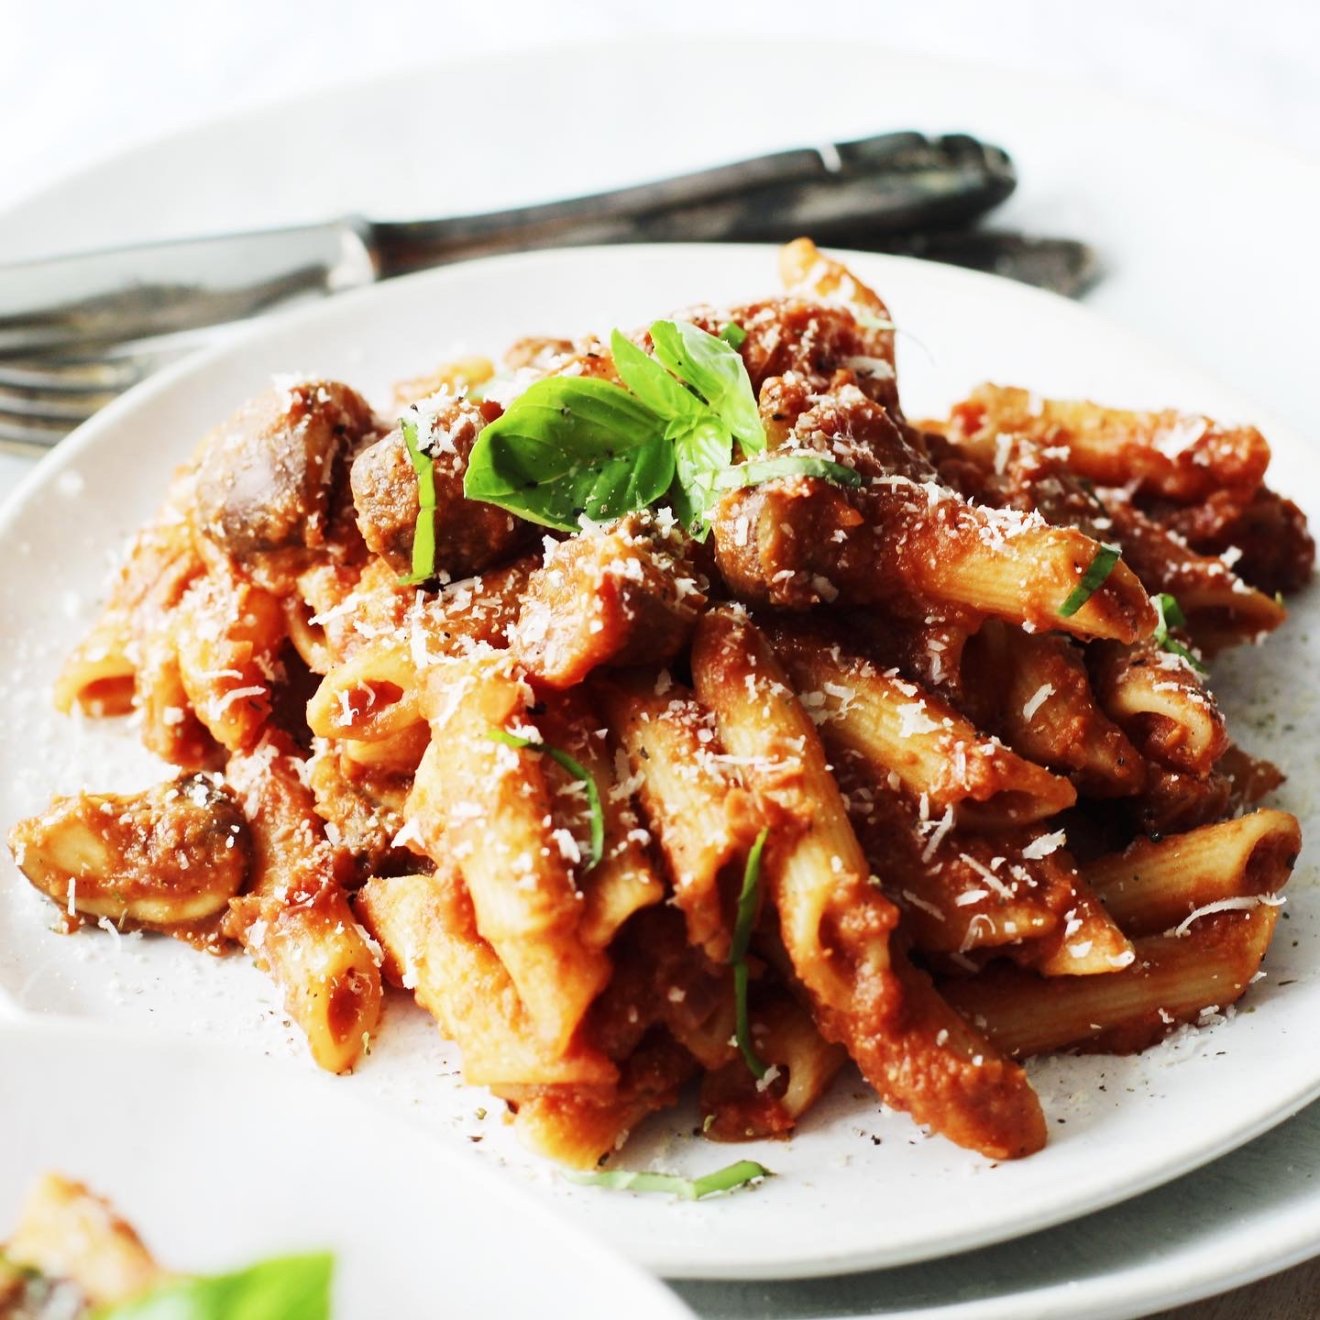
895, 182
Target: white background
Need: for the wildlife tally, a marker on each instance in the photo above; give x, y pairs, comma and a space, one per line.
82, 78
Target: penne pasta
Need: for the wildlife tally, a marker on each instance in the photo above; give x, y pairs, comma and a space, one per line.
912, 735
1159, 701
1158, 884
702, 818
1220, 608
425, 926
1180, 455
1173, 980
580, 1126
836, 926
623, 881
1033, 690
737, 1106
167, 859
295, 918
501, 836
965, 896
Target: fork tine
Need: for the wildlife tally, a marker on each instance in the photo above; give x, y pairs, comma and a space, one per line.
42, 398
74, 375
28, 436
54, 405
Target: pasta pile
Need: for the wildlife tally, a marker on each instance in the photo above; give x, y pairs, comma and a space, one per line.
675, 708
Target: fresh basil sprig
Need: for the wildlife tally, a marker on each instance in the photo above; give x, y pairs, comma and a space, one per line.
575, 446
717, 372
286, 1288
726, 1179
1172, 616
578, 771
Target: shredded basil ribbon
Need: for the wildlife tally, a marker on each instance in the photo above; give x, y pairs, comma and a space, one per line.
423, 546
1172, 616
749, 900
786, 465
578, 771
733, 334
689, 1189
287, 1288
1092, 580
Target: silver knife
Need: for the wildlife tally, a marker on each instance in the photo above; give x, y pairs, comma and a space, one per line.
871, 192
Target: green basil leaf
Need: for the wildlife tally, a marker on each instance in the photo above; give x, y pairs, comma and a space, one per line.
786, 465
571, 446
578, 771
702, 450
651, 383
733, 334
1092, 580
717, 373
287, 1288
423, 546
688, 1189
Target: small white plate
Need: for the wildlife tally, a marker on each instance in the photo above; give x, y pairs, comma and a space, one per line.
219, 1161
858, 1189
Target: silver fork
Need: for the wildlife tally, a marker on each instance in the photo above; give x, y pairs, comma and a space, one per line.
77, 331
43, 398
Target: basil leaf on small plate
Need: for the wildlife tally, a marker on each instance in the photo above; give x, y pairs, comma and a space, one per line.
287, 1288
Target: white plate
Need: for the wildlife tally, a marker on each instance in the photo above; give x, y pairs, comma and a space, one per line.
219, 1161
1239, 1219
843, 1201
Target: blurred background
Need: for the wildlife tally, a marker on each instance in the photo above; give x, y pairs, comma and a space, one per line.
1180, 143
81, 78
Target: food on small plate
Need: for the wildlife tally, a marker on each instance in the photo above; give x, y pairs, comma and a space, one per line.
672, 709
71, 1257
